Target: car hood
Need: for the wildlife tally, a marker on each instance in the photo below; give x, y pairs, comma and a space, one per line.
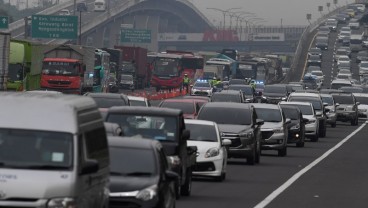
127, 183
271, 125
363, 106
230, 128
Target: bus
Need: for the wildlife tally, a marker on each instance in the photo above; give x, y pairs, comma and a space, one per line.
168, 68
101, 71
100, 5
253, 69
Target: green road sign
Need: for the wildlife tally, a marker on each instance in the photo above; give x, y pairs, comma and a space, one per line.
55, 27
4, 22
135, 36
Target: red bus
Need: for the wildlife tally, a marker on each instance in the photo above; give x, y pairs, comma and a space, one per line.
169, 68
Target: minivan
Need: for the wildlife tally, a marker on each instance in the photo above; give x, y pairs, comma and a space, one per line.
55, 154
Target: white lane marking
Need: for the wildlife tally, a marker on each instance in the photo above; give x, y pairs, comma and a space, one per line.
296, 176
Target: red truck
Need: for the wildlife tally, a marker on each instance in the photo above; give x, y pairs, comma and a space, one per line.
68, 69
135, 63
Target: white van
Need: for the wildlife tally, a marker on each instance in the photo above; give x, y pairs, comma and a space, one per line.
100, 5
53, 151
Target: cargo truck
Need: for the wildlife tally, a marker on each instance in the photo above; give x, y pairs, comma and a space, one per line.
68, 69
135, 63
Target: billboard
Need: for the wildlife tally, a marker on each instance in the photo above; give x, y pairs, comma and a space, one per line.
267, 37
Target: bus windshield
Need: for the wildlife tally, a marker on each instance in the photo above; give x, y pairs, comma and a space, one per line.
60, 68
166, 67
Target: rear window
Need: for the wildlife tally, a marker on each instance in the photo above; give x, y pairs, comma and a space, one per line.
226, 115
362, 100
245, 89
219, 97
187, 108
342, 99
275, 89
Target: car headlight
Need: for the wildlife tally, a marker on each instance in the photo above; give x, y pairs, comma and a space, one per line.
279, 130
283, 99
246, 135
295, 127
147, 193
61, 203
213, 152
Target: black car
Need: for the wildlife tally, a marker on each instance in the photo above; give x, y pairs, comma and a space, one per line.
228, 96
322, 42
273, 94
237, 122
247, 90
314, 60
296, 126
140, 174
168, 127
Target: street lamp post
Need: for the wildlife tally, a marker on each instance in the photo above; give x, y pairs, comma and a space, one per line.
224, 14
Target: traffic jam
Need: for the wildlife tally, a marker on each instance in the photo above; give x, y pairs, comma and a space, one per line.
124, 127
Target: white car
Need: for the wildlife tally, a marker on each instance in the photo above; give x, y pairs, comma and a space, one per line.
363, 68
343, 58
312, 126
212, 153
138, 101
362, 98
319, 75
354, 25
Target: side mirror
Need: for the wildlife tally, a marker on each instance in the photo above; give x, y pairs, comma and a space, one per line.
186, 134
305, 120
318, 113
287, 121
171, 176
357, 103
337, 104
226, 142
90, 166
259, 121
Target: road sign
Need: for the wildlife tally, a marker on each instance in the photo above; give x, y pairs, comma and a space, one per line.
4, 22
55, 27
135, 36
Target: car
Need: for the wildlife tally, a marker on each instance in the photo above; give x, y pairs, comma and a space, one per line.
296, 127
344, 65
247, 90
362, 56
331, 24
331, 106
363, 68
167, 126
323, 30
340, 52
202, 88
82, 6
353, 89
190, 108
322, 42
200, 100
347, 49
112, 83
318, 106
343, 58
228, 96
344, 71
127, 82
140, 173
343, 34
64, 12
292, 87
319, 75
350, 12
274, 130
275, 93
314, 60
212, 149
338, 83
354, 25
344, 76
362, 98
311, 82
106, 100
347, 111
312, 125
346, 41
360, 7
138, 101
237, 122
315, 51
341, 18
313, 68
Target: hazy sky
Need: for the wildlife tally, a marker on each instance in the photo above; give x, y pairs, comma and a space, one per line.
292, 12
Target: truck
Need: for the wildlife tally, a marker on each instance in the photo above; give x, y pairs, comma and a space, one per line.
25, 64
135, 63
4, 59
101, 71
210, 71
68, 69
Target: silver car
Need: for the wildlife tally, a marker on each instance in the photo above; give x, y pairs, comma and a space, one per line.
274, 130
331, 113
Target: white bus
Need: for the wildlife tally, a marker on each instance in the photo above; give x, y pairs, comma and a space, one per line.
100, 5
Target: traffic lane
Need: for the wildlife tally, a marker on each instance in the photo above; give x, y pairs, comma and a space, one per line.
338, 181
247, 185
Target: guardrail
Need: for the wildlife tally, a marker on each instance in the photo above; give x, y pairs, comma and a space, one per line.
304, 42
51, 10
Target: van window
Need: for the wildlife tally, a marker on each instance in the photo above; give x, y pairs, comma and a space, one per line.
29, 149
96, 146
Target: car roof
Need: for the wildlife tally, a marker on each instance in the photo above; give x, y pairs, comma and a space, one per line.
136, 98
294, 103
304, 94
178, 101
344, 81
360, 94
199, 122
142, 110
232, 92
265, 105
196, 98
136, 142
325, 95
105, 95
227, 105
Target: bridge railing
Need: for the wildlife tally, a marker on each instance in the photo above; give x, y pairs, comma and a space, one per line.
304, 43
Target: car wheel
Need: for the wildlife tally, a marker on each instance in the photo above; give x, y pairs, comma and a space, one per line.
258, 153
282, 152
187, 187
251, 160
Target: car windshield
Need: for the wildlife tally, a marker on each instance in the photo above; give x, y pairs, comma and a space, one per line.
105, 102
362, 99
199, 132
28, 149
226, 115
187, 108
344, 64
137, 103
221, 97
202, 84
269, 115
291, 113
132, 161
317, 73
305, 109
365, 64
275, 89
317, 104
155, 127
314, 57
245, 89
126, 78
328, 100
341, 52
341, 99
